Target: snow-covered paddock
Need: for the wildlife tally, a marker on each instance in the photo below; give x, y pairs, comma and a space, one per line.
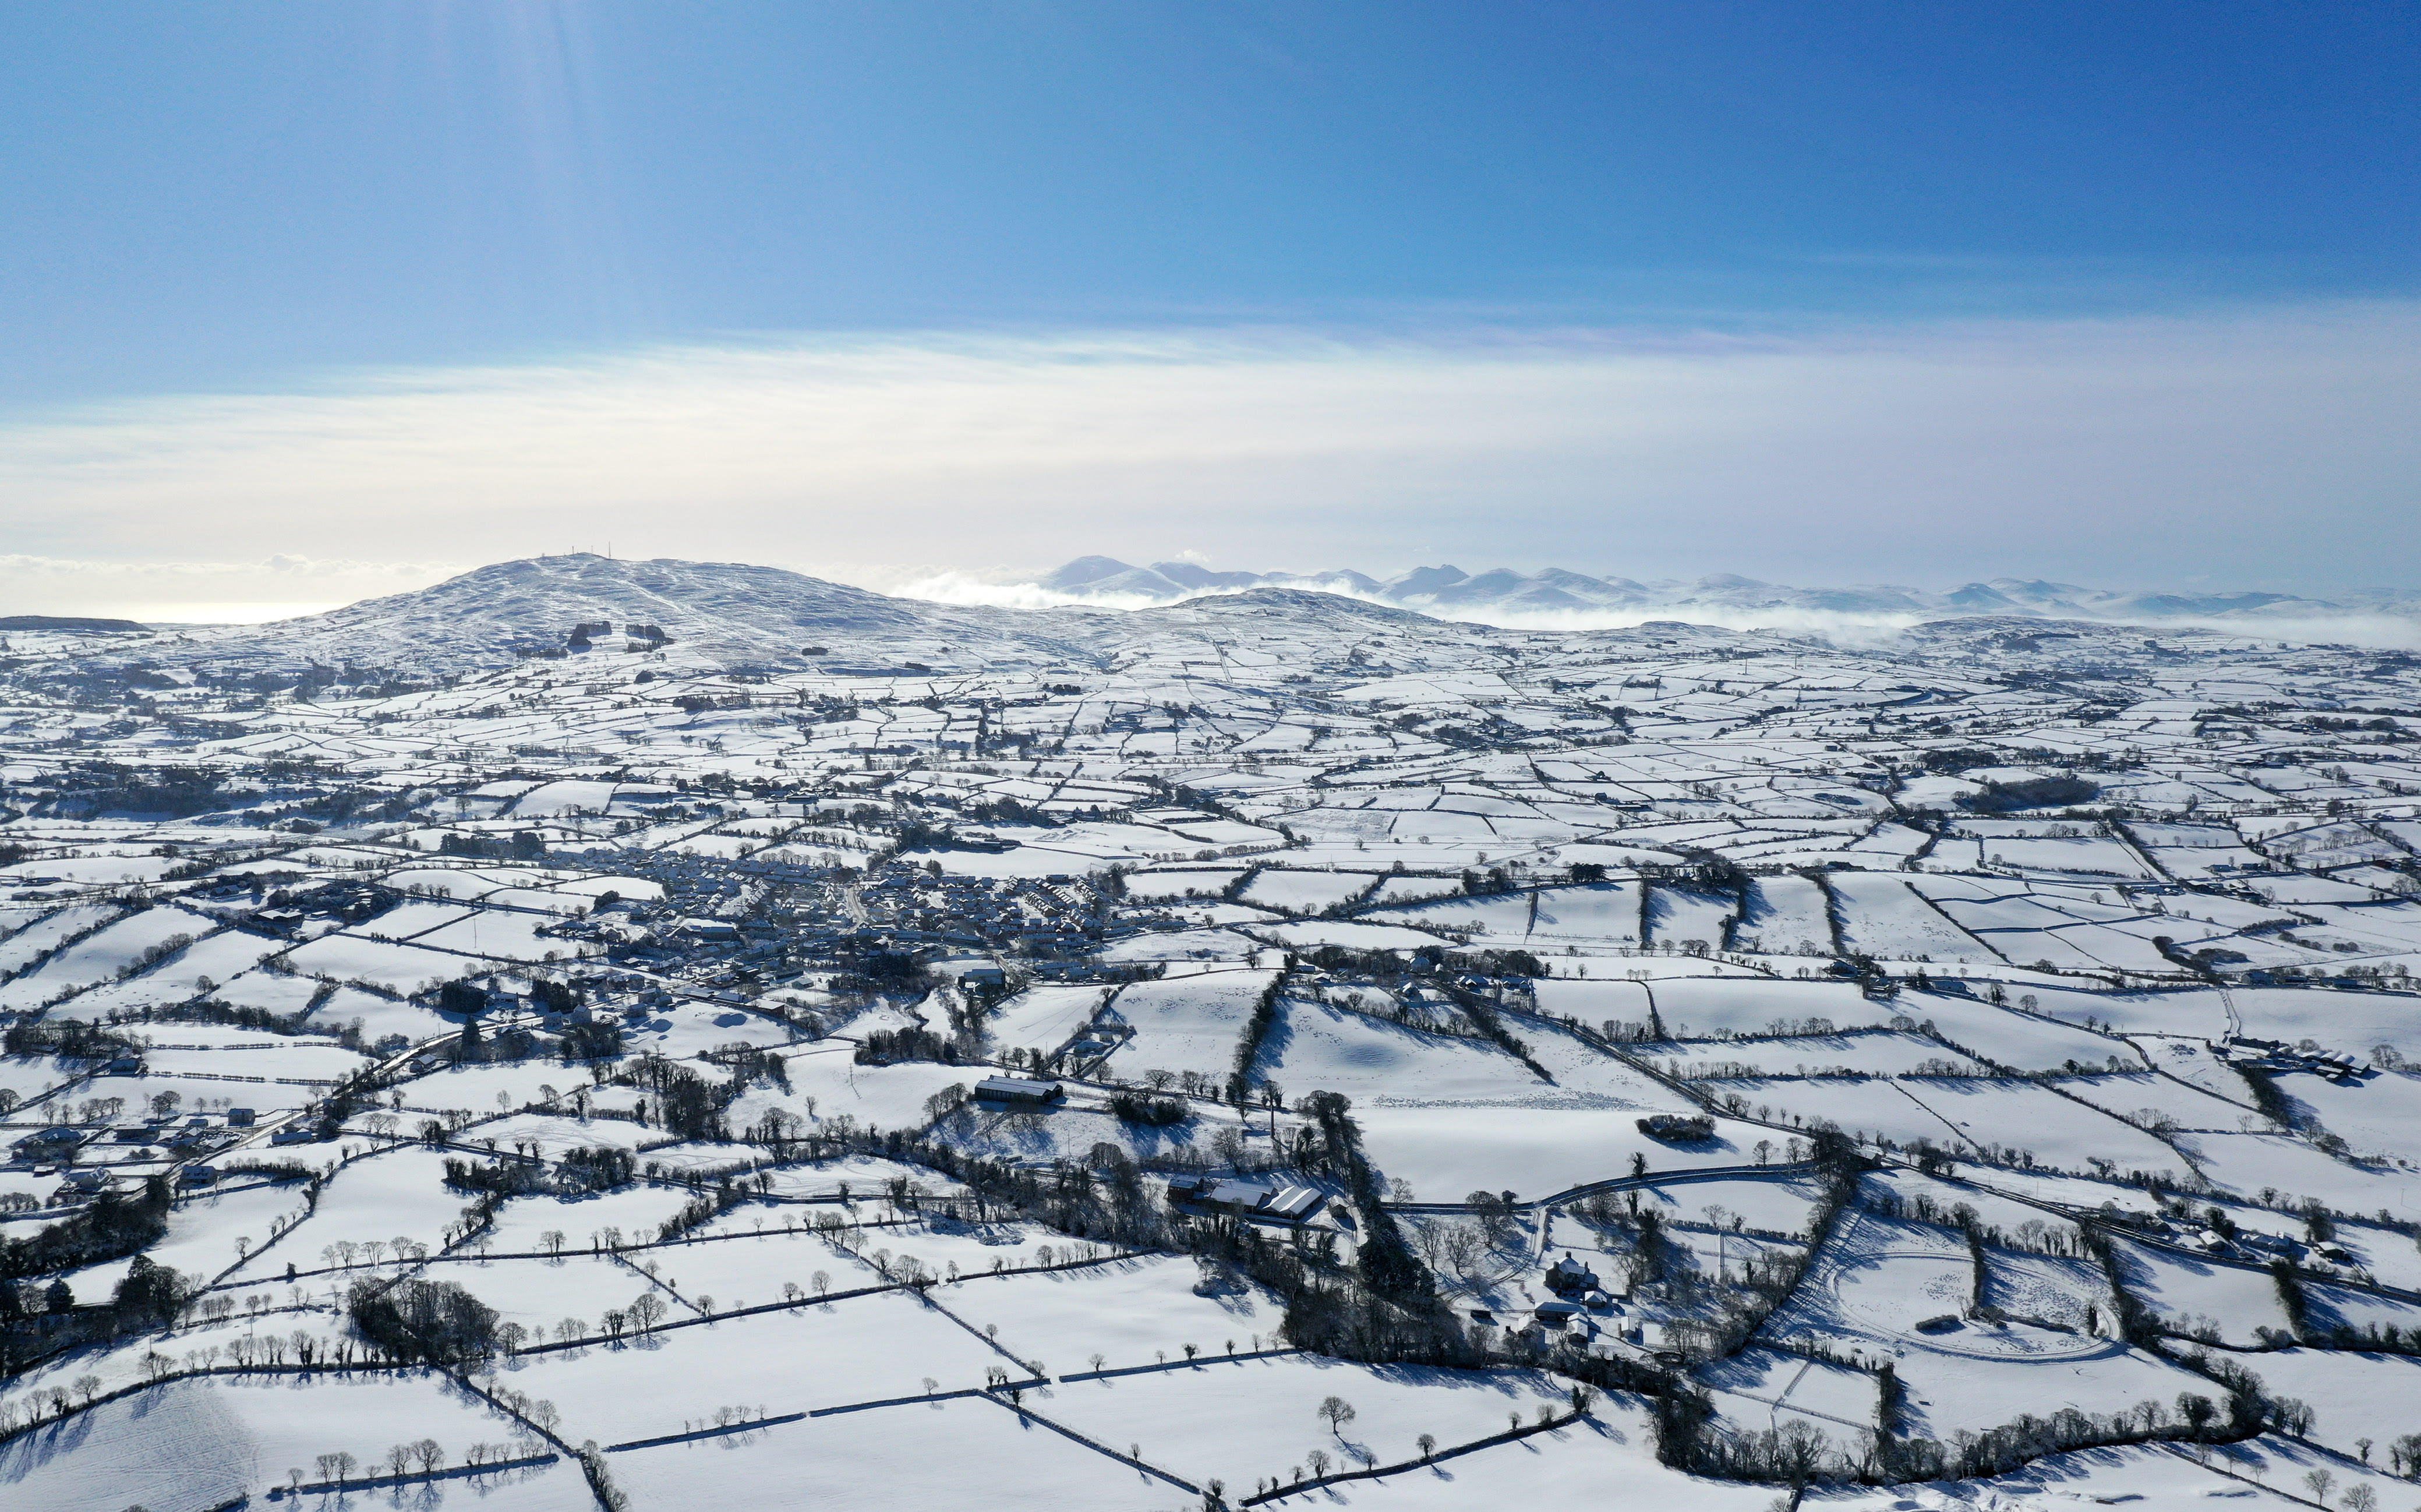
1315, 1045
1070, 1131
1707, 1007
2351, 1022
2250, 1164
205, 1442
1583, 1071
751, 1272
1308, 892
2142, 1097
1238, 1419
476, 1087
313, 1058
1949, 1392
878, 1096
691, 1028
2352, 1395
540, 1294
1775, 1204
2068, 1290
964, 1451
398, 1192
1130, 1312
1876, 1280
1758, 1390
857, 1350
399, 968
203, 1229
555, 1133
2329, 1307
29, 1077
1445, 1152
1886, 1288
1971, 1112
522, 1223
118, 945
217, 958
1045, 1016
2375, 1116
378, 1017
2197, 1012
2007, 1036
1604, 1463
2144, 1478
195, 1094
860, 1177
1187, 1022
30, 941
1886, 1053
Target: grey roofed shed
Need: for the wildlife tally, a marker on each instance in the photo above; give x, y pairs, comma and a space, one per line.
1017, 1089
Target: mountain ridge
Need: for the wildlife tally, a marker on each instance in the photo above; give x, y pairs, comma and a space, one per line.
1449, 589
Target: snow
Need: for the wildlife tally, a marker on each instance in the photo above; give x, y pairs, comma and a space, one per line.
1323, 743
1314, 1046
1307, 892
1606, 1463
1445, 1152
199, 1444
885, 1459
1189, 1023
864, 1348
1235, 1419
2188, 1294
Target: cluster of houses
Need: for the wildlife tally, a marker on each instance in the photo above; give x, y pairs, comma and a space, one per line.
2243, 1244
57, 1148
1582, 1313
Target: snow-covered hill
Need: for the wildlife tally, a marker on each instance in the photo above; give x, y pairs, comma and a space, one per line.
582, 604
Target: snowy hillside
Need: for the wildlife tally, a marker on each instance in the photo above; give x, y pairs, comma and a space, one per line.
642, 1033
548, 605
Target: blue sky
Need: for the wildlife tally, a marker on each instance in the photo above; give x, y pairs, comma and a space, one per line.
290, 202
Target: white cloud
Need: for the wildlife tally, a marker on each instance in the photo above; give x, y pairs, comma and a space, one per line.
273, 588
2261, 449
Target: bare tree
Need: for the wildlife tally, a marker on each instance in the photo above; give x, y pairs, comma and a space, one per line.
1336, 1412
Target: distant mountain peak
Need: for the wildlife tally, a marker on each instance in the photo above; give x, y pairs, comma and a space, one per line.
1449, 590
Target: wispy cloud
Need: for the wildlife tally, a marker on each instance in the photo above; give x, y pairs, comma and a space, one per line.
2258, 448
271, 588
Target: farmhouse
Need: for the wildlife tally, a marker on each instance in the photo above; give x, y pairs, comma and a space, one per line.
49, 1144
1568, 1277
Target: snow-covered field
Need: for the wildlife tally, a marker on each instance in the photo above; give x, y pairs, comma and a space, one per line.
743, 919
